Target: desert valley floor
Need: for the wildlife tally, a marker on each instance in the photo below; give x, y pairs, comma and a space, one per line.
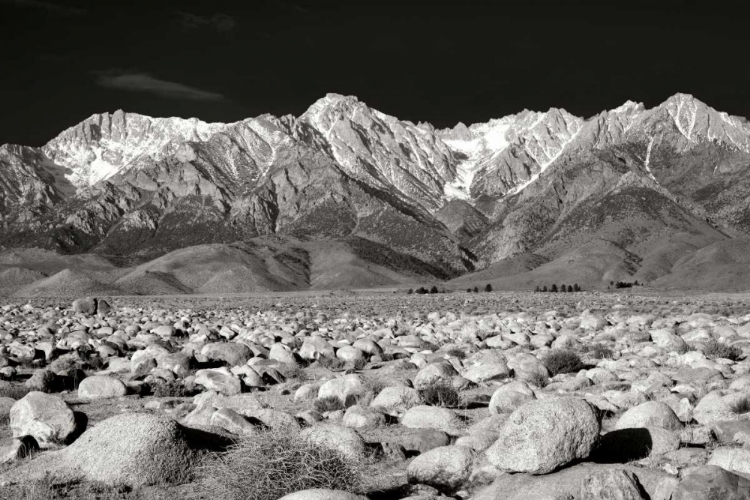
377, 395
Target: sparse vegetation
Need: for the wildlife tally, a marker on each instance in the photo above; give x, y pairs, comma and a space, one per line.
456, 353
332, 363
715, 349
597, 351
562, 361
50, 489
14, 391
359, 364
740, 406
330, 403
538, 379
173, 389
274, 463
292, 371
442, 395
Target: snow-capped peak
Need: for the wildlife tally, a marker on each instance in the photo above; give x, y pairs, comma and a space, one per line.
104, 144
629, 107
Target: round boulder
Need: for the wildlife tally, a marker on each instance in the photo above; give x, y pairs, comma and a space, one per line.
432, 417
342, 439
231, 353
130, 449
444, 468
510, 397
395, 400
545, 434
220, 380
434, 374
45, 417
101, 387
85, 306
361, 416
346, 389
650, 414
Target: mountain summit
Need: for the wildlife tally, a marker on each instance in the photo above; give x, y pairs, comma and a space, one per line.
655, 184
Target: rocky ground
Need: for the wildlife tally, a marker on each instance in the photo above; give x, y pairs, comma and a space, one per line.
466, 396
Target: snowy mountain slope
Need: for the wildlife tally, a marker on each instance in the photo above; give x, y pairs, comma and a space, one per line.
132, 185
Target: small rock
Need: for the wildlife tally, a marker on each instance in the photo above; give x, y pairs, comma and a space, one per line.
445, 468
650, 414
101, 387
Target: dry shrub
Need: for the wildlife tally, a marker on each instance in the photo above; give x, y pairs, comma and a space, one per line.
292, 371
358, 364
741, 406
442, 395
333, 364
15, 391
456, 353
538, 379
274, 463
173, 389
562, 361
716, 349
598, 351
331, 403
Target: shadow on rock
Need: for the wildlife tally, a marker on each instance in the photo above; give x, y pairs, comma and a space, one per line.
623, 446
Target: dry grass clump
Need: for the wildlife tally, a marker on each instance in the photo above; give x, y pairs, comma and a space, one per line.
333, 364
597, 351
331, 403
562, 361
358, 364
741, 406
49, 489
716, 349
173, 389
15, 391
274, 463
538, 379
292, 371
442, 395
456, 353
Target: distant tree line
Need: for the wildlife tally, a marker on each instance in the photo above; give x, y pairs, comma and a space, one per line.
624, 284
422, 290
561, 289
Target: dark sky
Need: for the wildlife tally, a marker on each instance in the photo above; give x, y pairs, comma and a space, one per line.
61, 61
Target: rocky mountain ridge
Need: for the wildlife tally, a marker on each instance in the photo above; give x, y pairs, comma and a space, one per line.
134, 187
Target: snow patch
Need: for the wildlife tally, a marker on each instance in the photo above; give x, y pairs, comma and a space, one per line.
648, 157
626, 106
490, 139
690, 111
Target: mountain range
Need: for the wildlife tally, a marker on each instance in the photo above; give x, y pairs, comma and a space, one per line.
347, 196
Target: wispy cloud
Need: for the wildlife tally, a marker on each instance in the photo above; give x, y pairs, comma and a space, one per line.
143, 82
220, 22
48, 7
